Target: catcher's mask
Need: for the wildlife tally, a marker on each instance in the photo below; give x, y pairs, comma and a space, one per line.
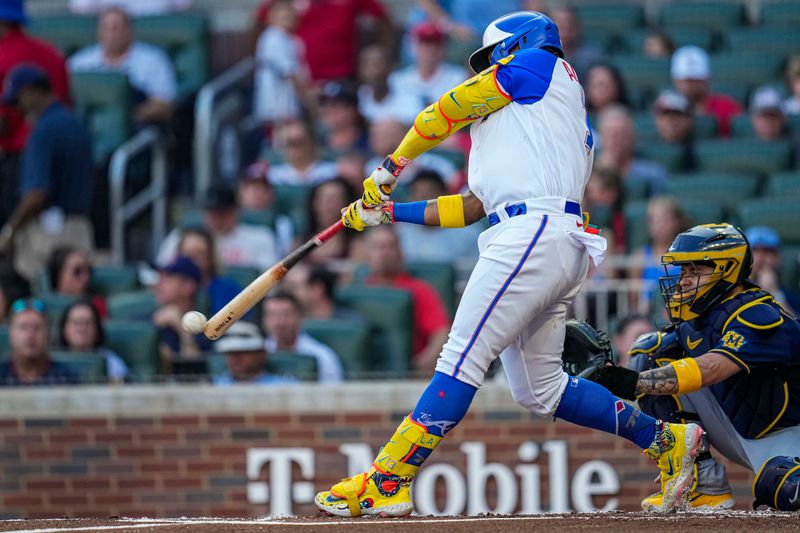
693, 291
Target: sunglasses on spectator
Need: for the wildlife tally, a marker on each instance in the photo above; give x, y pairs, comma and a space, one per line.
28, 304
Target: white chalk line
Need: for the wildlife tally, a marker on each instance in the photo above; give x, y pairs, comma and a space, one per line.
142, 523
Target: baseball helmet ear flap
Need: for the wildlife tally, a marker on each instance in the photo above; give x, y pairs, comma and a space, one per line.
777, 484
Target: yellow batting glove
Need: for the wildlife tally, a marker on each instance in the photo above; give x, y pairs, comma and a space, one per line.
381, 182
358, 217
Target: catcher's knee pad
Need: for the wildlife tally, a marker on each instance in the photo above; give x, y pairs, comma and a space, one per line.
777, 484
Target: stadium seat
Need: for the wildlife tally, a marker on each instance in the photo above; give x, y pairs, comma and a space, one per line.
781, 14
715, 15
5, 344
742, 126
617, 17
635, 190
301, 366
743, 156
705, 126
702, 211
766, 40
783, 184
390, 313
292, 200
91, 366
136, 342
55, 305
790, 266
348, 338
258, 218
643, 75
109, 280
780, 213
747, 69
68, 33
725, 189
635, 213
440, 276
105, 101
134, 305
458, 52
184, 38
670, 156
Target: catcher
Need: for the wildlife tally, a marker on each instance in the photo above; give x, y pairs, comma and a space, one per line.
531, 156
730, 360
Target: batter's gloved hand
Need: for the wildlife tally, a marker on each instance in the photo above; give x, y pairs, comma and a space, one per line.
356, 216
380, 184
586, 350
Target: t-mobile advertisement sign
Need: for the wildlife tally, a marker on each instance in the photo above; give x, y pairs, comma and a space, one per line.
518, 488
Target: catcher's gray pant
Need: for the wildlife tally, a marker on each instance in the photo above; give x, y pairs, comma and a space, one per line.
750, 453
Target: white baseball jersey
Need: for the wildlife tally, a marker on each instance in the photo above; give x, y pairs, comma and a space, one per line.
539, 145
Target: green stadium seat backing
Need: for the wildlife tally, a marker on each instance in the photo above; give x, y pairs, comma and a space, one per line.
635, 213
790, 266
742, 126
670, 156
441, 277
55, 305
109, 280
136, 342
241, 275
104, 100
134, 305
702, 37
748, 69
724, 189
643, 74
68, 33
701, 211
302, 367
258, 218
781, 14
5, 343
767, 40
715, 15
292, 200
743, 156
780, 213
184, 38
784, 184
348, 338
635, 190
91, 366
616, 17
390, 313
705, 126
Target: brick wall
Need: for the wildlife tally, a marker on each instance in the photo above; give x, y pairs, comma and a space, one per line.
65, 454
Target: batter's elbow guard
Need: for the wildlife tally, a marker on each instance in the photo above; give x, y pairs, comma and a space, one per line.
777, 484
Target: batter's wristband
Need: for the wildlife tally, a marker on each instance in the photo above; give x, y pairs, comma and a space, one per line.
687, 371
413, 212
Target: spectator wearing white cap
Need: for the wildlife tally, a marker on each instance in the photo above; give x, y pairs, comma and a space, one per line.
767, 114
245, 357
691, 74
674, 120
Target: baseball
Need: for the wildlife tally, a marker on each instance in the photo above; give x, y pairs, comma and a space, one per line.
194, 321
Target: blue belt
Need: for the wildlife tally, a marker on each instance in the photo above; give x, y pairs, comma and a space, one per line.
571, 208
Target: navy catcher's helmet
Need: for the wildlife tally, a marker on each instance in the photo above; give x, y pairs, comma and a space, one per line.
526, 29
777, 484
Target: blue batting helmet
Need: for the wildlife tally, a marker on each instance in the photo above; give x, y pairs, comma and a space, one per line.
526, 29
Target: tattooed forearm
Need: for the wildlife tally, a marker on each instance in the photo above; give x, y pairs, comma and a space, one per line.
661, 380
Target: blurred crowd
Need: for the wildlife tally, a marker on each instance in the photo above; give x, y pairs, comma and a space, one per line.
337, 85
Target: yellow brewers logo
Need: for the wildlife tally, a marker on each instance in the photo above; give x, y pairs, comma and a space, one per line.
732, 340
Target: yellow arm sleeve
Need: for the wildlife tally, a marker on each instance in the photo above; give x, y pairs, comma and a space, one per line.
458, 107
451, 211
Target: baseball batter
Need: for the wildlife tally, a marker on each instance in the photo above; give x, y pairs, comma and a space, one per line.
532, 152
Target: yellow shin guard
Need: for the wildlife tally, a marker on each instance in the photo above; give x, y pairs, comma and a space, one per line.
397, 456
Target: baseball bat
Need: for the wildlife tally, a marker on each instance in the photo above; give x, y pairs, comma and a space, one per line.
259, 287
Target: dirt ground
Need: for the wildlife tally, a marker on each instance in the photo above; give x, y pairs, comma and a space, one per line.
618, 522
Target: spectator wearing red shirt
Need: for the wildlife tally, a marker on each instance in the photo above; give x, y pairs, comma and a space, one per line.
329, 31
16, 47
691, 74
431, 323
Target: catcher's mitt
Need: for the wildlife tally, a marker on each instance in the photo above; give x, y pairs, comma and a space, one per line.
586, 350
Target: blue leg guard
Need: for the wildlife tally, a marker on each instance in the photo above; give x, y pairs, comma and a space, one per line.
590, 405
443, 404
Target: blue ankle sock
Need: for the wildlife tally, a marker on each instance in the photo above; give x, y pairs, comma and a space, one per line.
443, 404
590, 405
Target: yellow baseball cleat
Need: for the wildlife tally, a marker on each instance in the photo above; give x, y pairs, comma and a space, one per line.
370, 493
674, 450
697, 502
